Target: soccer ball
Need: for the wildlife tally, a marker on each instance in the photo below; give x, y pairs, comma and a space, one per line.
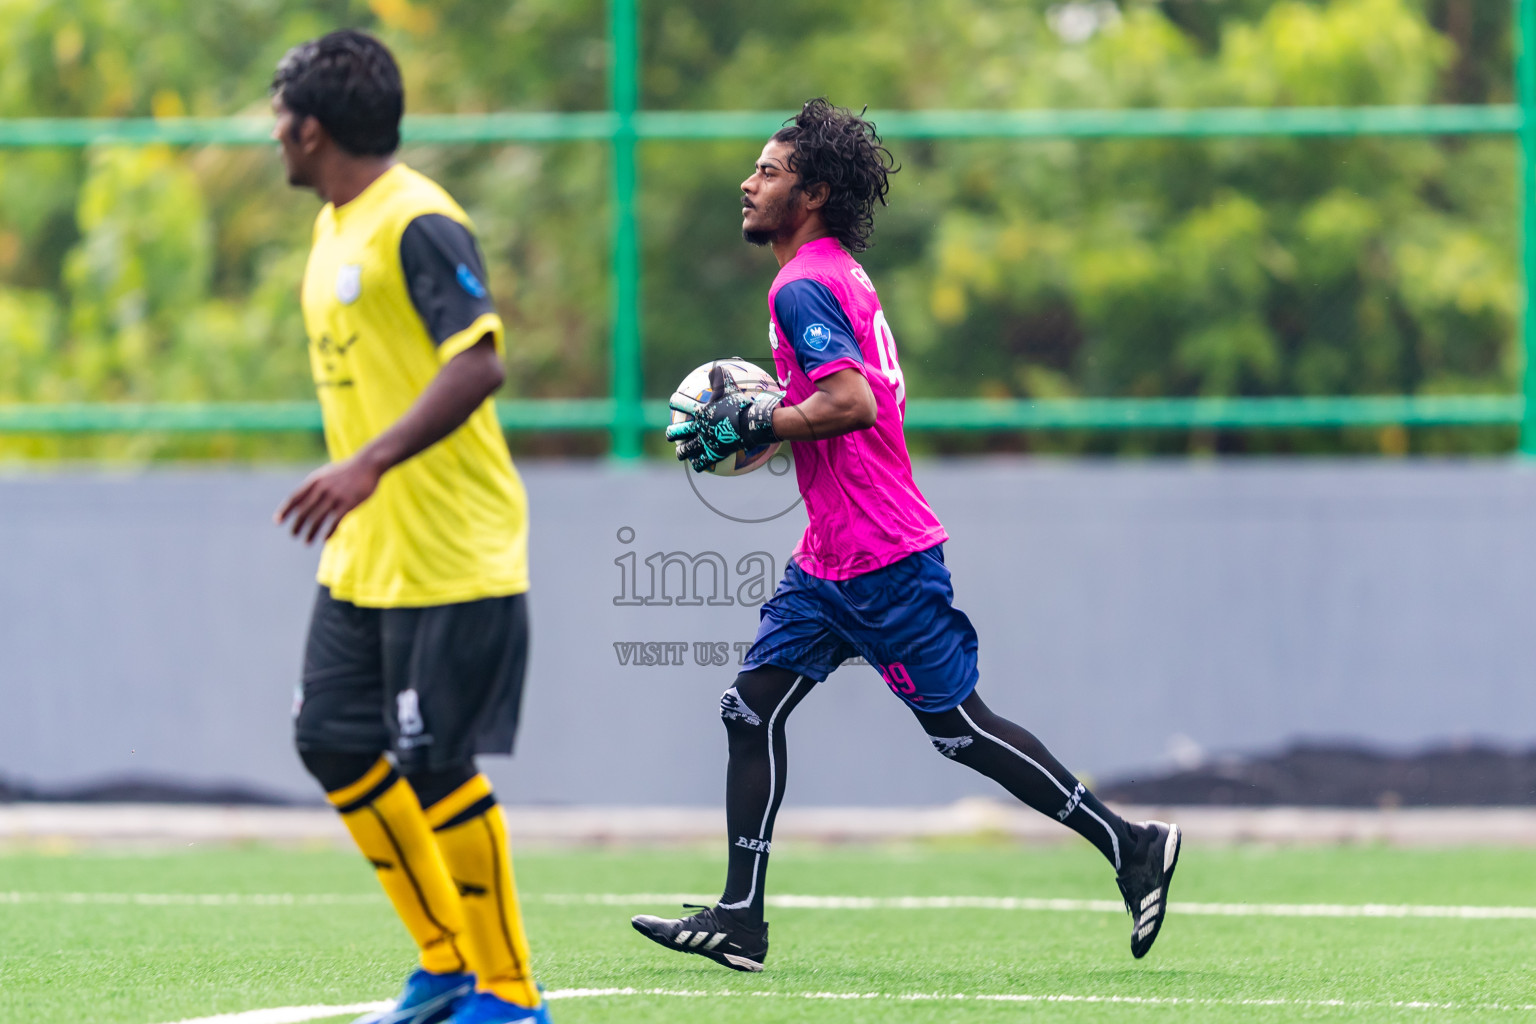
748, 378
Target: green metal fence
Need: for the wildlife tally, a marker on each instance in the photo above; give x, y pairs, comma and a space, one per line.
624, 126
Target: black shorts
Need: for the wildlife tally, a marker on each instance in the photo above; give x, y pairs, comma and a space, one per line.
434, 686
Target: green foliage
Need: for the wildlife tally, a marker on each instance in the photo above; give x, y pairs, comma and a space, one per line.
1146, 268
1045, 269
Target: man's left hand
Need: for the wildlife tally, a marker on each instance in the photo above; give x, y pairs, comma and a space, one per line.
326, 496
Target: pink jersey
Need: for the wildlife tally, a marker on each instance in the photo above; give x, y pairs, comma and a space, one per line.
865, 510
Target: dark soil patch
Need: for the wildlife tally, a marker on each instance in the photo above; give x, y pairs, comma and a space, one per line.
1310, 775
138, 791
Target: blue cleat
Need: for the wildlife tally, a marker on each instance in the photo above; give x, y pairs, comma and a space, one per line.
487, 1008
426, 999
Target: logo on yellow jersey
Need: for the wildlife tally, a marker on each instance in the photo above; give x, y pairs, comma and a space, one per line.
349, 283
333, 361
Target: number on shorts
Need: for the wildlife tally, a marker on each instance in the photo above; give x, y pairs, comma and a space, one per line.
898, 679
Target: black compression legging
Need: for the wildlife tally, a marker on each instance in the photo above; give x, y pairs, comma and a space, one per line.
755, 711
1011, 756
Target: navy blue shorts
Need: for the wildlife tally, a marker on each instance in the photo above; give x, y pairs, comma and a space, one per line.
900, 619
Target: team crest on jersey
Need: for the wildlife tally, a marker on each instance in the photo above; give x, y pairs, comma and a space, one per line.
818, 336
349, 283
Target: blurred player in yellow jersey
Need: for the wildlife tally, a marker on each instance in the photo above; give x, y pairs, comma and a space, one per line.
419, 634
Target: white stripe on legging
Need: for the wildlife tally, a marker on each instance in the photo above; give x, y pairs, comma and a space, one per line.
1114, 842
773, 784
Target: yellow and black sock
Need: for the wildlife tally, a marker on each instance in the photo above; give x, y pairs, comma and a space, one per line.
382, 813
472, 833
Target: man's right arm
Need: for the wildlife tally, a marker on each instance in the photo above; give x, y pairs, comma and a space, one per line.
822, 338
842, 403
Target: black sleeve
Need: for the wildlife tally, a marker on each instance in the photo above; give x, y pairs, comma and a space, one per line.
444, 274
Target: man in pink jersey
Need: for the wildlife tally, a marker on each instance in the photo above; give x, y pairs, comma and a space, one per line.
868, 577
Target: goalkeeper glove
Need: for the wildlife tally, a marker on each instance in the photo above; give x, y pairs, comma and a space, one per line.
731, 421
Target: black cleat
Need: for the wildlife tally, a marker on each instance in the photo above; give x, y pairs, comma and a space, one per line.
1144, 882
711, 932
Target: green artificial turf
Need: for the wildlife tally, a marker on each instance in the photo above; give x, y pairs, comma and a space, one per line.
129, 963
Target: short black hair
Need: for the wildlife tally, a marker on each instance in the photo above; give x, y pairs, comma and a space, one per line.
838, 148
350, 83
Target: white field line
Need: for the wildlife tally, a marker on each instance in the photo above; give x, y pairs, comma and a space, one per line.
1398, 910
1023, 903
189, 899
287, 1014
297, 1014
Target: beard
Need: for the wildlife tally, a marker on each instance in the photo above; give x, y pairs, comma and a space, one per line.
298, 177
773, 214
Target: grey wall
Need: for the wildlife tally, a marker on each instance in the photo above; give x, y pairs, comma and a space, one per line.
153, 623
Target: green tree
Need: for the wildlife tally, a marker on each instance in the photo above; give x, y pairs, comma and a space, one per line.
1043, 269
1147, 268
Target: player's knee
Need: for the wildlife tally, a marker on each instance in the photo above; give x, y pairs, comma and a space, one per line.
950, 734
761, 697
953, 747
433, 786
336, 769
737, 714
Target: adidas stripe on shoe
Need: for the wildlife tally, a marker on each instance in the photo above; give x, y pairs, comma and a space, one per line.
1145, 879
713, 933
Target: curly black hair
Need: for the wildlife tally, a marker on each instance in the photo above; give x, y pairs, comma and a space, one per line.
349, 81
838, 148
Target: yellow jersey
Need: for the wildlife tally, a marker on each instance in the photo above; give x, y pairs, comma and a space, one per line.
393, 290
